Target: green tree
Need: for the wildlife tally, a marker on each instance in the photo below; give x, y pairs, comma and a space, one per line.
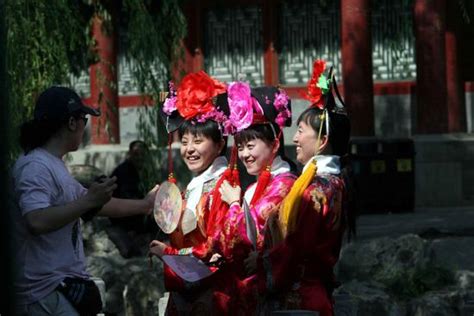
48, 41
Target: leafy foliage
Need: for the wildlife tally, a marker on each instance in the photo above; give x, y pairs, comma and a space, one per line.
152, 66
48, 41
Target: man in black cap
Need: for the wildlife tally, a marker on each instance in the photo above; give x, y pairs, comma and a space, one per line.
52, 276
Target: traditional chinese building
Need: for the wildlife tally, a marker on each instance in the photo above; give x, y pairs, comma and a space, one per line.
405, 68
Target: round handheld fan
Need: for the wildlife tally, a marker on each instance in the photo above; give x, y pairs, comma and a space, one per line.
167, 209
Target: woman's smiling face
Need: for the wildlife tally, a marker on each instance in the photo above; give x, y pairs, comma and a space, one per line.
199, 151
255, 154
305, 140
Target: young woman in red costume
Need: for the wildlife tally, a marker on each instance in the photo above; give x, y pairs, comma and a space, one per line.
192, 111
258, 123
295, 269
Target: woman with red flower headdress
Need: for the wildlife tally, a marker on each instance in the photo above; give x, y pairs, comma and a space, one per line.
192, 111
256, 117
295, 269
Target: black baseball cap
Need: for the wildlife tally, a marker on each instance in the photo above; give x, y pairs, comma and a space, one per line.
57, 103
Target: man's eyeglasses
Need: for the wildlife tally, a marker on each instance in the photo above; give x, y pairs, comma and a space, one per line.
84, 118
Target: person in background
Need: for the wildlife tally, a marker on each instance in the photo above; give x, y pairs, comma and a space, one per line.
127, 232
48, 203
128, 172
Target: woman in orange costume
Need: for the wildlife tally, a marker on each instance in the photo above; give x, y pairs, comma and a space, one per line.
295, 270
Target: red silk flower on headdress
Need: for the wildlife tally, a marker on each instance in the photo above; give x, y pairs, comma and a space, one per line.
314, 93
195, 93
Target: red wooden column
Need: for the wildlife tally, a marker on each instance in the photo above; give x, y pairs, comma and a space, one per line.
431, 88
104, 85
270, 27
454, 83
356, 49
193, 60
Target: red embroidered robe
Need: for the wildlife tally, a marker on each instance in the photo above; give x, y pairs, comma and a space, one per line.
231, 242
297, 273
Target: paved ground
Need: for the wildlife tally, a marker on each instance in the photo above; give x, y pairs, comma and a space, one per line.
455, 221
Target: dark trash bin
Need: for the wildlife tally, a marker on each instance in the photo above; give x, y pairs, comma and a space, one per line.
384, 175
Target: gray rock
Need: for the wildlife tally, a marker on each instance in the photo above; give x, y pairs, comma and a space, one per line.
143, 291
96, 241
365, 298
405, 266
110, 269
384, 259
132, 288
131, 279
465, 279
439, 303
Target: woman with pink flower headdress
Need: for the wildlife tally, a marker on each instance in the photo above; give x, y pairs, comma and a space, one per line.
256, 118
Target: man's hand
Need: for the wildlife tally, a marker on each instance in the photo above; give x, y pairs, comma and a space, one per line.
251, 263
157, 248
100, 193
230, 194
150, 198
128, 207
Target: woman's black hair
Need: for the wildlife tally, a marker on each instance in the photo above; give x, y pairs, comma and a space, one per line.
339, 134
268, 134
339, 128
352, 207
36, 133
209, 129
265, 132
